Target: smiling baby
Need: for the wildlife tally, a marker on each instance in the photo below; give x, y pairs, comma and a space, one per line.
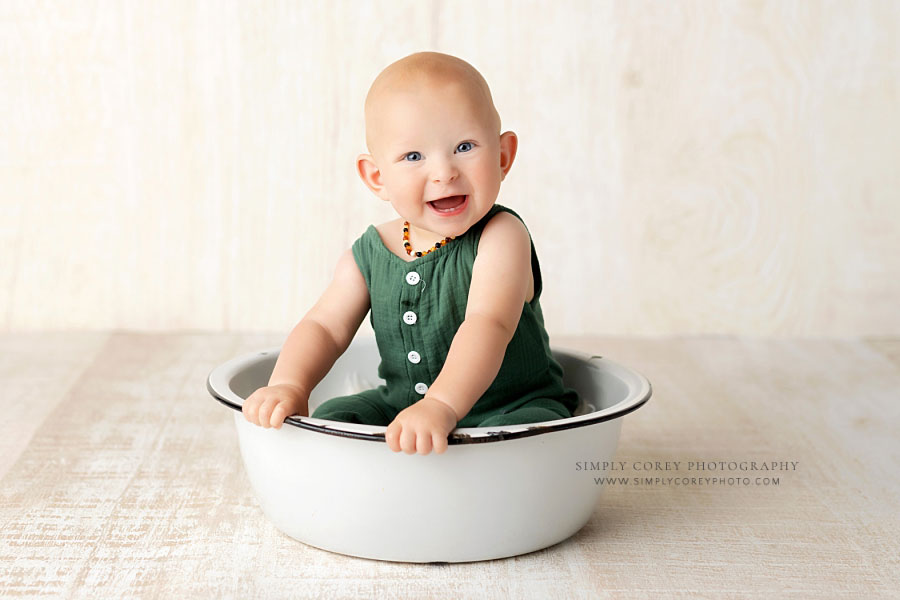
453, 284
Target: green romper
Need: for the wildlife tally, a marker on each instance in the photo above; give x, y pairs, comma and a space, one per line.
416, 309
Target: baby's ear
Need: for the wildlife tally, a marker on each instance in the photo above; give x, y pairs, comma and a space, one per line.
369, 173
509, 144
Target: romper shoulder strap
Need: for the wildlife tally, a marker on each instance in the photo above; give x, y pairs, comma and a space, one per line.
363, 251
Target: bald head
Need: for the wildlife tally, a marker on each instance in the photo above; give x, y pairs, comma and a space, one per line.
435, 71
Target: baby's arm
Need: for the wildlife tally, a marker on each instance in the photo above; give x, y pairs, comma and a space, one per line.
312, 347
500, 278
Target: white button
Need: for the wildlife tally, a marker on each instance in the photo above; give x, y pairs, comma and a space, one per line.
414, 357
409, 317
412, 278
421, 388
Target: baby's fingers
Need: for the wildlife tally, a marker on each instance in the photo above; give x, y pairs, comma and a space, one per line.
439, 442
278, 415
423, 443
392, 436
408, 440
265, 412
251, 408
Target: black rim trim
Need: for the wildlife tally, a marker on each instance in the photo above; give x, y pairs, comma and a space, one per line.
455, 438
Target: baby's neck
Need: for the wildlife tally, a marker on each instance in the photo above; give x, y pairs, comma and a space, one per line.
391, 234
422, 239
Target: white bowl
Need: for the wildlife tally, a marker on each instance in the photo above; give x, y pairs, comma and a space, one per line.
495, 492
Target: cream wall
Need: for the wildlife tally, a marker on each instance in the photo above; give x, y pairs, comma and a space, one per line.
684, 167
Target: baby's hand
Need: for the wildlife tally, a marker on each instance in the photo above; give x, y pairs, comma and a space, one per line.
268, 406
424, 425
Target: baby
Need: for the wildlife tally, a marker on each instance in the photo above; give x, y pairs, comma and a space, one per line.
453, 284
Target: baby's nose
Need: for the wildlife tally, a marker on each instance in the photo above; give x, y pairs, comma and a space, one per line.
446, 173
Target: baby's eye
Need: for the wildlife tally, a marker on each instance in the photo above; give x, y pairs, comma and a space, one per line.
412, 156
464, 147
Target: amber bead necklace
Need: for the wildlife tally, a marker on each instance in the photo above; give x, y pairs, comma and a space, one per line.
408, 246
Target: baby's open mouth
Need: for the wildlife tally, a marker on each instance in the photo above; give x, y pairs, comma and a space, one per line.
448, 204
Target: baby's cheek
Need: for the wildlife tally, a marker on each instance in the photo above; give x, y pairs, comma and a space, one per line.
488, 176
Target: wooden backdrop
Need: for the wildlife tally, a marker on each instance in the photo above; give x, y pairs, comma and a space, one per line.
684, 167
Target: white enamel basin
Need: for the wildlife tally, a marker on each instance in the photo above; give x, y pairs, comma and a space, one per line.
495, 492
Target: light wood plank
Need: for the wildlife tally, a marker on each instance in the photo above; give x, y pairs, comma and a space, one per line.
37, 370
133, 484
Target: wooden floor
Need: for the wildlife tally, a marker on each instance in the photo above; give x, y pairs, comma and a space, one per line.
121, 477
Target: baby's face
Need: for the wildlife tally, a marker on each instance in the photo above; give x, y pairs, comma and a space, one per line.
432, 142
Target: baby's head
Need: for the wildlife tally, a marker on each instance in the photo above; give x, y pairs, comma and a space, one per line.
432, 132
